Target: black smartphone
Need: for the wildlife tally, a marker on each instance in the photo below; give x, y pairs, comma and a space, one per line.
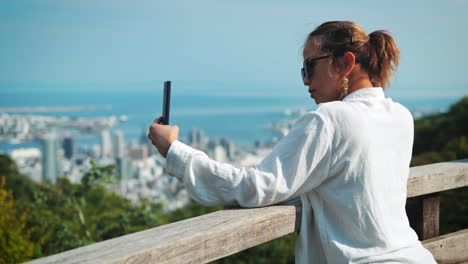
166, 102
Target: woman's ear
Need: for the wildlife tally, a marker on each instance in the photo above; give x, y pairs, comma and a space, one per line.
348, 60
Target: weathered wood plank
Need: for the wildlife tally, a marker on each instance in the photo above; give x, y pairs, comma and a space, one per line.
298, 204
196, 240
437, 177
450, 248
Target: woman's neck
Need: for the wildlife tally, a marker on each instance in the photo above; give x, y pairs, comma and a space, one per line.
359, 82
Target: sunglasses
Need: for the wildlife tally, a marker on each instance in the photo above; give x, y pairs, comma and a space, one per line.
309, 65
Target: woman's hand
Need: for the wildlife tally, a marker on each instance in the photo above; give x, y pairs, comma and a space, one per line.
162, 136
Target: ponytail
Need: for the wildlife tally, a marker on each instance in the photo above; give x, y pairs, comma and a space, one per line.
383, 57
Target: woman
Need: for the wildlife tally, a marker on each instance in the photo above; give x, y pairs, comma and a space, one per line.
348, 160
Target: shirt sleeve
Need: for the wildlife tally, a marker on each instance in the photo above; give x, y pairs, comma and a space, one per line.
298, 163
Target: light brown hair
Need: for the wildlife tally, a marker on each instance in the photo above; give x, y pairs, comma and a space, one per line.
377, 52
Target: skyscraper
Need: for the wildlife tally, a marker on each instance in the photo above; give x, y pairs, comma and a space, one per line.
124, 166
50, 163
118, 144
197, 138
138, 152
106, 147
144, 140
68, 146
228, 146
219, 153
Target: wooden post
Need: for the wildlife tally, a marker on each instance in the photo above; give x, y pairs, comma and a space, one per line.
423, 215
297, 224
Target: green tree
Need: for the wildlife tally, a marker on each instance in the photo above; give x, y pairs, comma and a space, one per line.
65, 215
444, 137
15, 244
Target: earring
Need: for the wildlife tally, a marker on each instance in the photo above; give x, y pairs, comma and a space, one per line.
345, 88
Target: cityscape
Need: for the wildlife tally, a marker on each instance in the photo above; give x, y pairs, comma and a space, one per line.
141, 169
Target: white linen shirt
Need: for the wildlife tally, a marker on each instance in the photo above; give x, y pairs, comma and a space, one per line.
348, 161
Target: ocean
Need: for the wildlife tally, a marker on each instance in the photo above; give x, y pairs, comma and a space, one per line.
242, 119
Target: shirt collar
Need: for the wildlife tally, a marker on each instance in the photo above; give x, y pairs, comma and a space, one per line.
365, 94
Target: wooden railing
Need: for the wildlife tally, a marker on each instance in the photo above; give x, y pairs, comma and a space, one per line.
223, 233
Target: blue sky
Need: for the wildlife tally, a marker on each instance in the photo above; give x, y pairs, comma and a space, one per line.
217, 46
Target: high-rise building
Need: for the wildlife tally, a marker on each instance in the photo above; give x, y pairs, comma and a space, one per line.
138, 152
144, 140
194, 136
197, 138
228, 146
219, 153
68, 146
50, 161
118, 144
106, 147
124, 166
